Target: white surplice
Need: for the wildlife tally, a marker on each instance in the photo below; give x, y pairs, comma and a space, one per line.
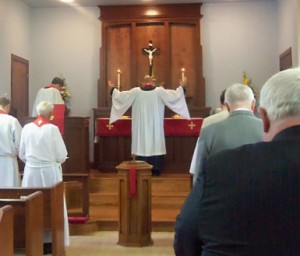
43, 150
148, 116
47, 94
10, 133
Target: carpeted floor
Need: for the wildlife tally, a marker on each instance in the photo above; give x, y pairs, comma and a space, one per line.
104, 243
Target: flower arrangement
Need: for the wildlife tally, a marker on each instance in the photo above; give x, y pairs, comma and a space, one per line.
246, 80
65, 94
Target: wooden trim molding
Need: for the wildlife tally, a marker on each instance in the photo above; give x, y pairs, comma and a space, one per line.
133, 12
285, 59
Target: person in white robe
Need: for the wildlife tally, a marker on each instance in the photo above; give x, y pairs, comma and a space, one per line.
148, 106
43, 150
49, 93
10, 134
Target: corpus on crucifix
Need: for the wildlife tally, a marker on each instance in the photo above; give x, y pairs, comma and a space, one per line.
150, 51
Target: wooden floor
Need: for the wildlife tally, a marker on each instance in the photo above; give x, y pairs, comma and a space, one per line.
168, 194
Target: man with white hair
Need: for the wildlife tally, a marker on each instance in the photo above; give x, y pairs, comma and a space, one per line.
10, 134
43, 150
246, 200
240, 128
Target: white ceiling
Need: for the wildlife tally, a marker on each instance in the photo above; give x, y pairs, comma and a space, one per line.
57, 3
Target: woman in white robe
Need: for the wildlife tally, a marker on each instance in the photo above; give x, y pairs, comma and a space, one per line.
43, 150
10, 133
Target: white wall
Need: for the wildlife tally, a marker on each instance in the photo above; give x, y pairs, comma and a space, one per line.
288, 31
238, 37
66, 42
14, 38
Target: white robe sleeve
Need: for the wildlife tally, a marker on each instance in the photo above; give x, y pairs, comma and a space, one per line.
175, 100
121, 101
47, 94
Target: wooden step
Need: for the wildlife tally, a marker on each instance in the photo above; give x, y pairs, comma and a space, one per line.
168, 194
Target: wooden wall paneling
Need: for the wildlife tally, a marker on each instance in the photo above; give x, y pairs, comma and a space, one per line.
182, 38
285, 59
173, 28
154, 31
112, 151
76, 138
162, 11
118, 53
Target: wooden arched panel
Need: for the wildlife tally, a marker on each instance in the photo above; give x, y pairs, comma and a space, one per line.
183, 54
118, 54
156, 33
174, 29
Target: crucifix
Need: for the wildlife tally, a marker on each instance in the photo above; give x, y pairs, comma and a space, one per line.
150, 51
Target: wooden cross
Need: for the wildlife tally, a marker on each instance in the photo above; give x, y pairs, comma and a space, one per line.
109, 126
150, 51
191, 125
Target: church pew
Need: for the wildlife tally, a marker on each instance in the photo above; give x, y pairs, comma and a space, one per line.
53, 211
28, 222
6, 230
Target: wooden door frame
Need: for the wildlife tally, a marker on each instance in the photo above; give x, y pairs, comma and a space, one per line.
15, 58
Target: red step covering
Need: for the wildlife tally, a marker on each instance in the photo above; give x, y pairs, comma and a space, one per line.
77, 219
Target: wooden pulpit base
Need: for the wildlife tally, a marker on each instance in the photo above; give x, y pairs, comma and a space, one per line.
134, 210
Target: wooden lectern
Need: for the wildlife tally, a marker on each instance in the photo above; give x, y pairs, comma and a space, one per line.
134, 203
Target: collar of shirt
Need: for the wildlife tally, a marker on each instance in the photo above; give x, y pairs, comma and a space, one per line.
237, 109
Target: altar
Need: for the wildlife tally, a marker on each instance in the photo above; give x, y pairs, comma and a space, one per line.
113, 143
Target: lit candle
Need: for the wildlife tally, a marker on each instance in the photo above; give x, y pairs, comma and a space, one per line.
119, 77
182, 73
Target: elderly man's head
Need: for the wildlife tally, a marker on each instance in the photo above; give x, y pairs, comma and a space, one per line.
45, 109
5, 104
239, 96
280, 95
280, 102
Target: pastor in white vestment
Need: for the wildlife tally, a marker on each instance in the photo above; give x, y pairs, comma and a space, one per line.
49, 93
10, 133
43, 150
148, 107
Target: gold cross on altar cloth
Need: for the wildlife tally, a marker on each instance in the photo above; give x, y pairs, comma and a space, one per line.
191, 125
109, 126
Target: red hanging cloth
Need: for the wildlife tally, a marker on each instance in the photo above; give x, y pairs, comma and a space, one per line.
132, 182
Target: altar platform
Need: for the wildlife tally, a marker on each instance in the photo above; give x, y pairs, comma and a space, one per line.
113, 143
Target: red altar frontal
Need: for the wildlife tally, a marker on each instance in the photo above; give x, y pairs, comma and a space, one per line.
173, 127
113, 144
